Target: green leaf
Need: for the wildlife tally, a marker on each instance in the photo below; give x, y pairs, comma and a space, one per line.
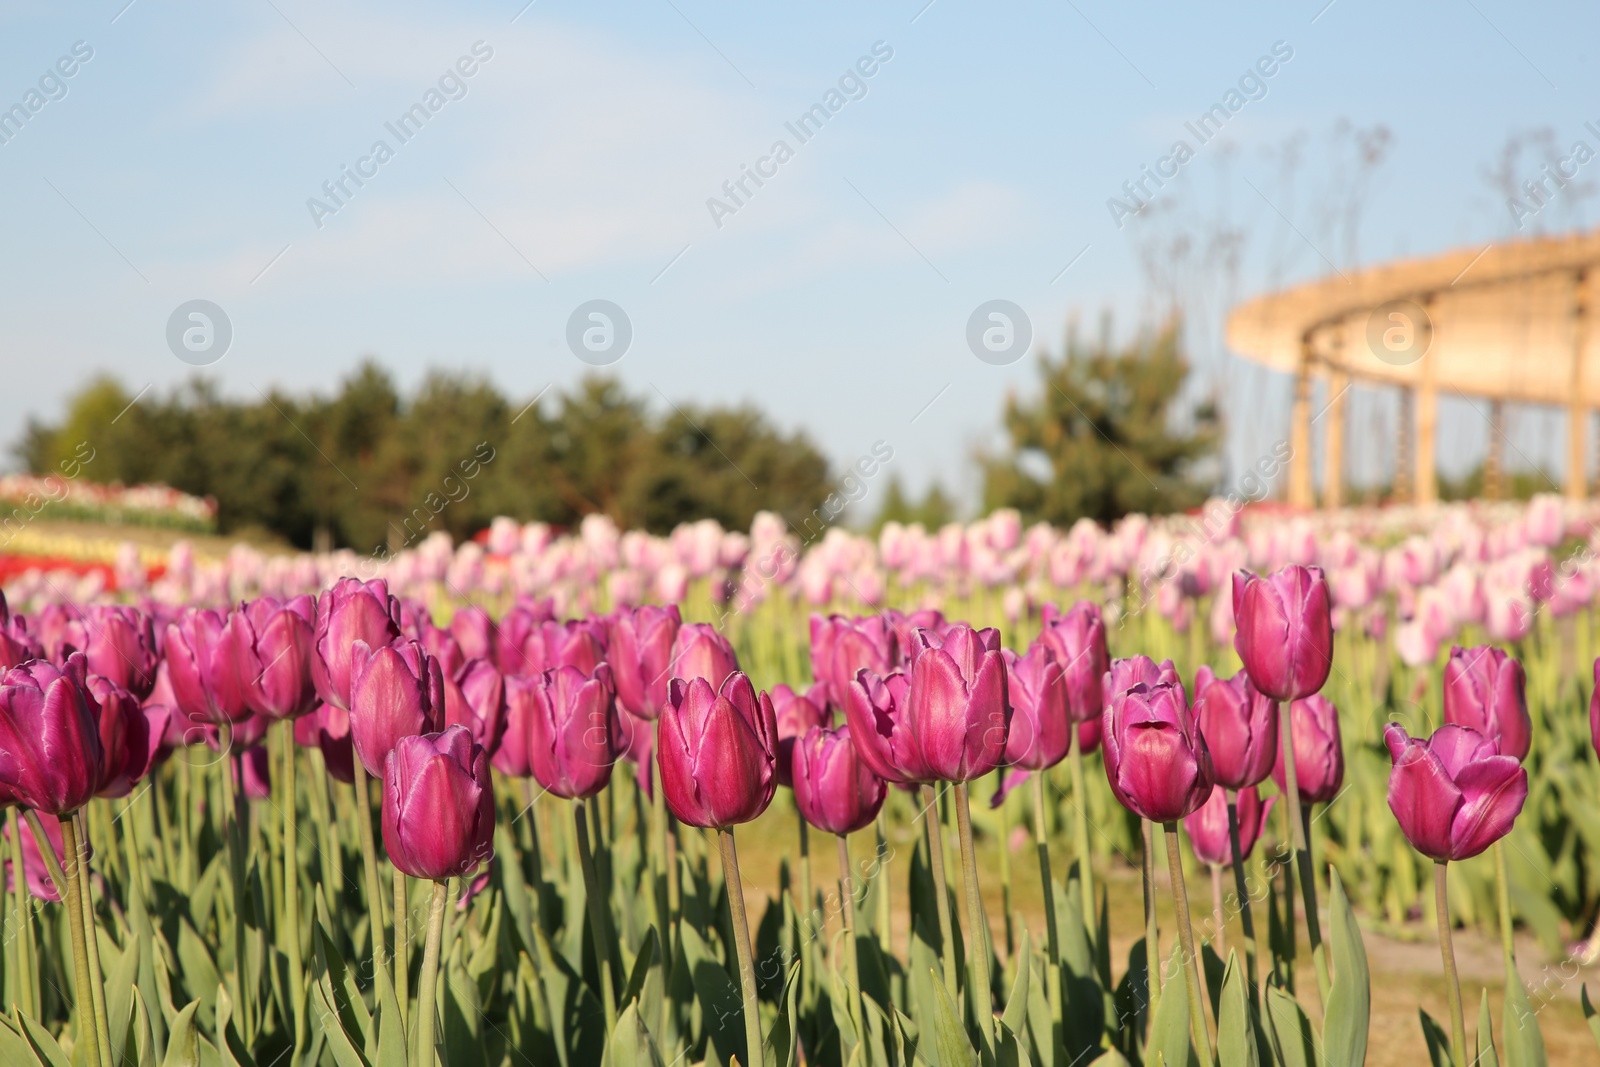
1344, 1027
391, 1034
631, 1043
1169, 1026
14, 1048
340, 992
200, 976
183, 1044
1519, 1026
949, 1046
1484, 1056
781, 1046
1236, 1039
45, 1047
641, 967
325, 1017
1438, 1041
119, 1002
1589, 1014
1016, 1013
1290, 1030
1010, 1050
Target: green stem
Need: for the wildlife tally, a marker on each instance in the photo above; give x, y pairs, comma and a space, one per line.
369, 858
291, 885
1302, 852
1219, 913
402, 946
741, 944
1502, 889
597, 918
1447, 952
881, 843
847, 899
1154, 965
97, 984
428, 984
83, 999
329, 854
1199, 1027
234, 833
978, 942
807, 909
27, 986
930, 818
1246, 920
1080, 831
1047, 882
1005, 865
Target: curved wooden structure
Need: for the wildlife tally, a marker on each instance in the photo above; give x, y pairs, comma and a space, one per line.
1508, 322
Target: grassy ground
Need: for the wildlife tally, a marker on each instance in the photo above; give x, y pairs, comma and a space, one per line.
1405, 969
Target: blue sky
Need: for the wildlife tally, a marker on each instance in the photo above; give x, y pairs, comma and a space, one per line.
577, 163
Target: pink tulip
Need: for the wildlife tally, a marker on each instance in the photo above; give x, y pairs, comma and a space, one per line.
438, 805
51, 758
834, 788
795, 714
473, 631
284, 644
119, 644
1318, 757
1124, 674
395, 691
1240, 727
1208, 831
574, 734
699, 651
476, 698
1285, 630
1041, 730
718, 751
1078, 641
210, 665
352, 611
1156, 759
125, 736
328, 728
641, 656
1485, 689
877, 712
253, 773
841, 646
17, 645
1453, 794
957, 705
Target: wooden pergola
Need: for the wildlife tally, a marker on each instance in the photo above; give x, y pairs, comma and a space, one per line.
1503, 322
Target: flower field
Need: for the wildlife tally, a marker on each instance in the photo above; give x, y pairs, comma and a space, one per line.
1142, 795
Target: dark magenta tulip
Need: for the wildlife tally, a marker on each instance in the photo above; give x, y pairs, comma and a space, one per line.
1207, 826
640, 654
957, 705
210, 664
476, 698
877, 712
473, 631
442, 646
119, 644
1454, 795
834, 788
17, 645
1156, 759
1078, 641
395, 691
438, 805
1124, 674
841, 646
1284, 630
574, 735
718, 751
796, 713
512, 632
579, 643
1240, 726
284, 632
1485, 689
252, 773
328, 728
1318, 755
351, 611
1041, 730
699, 651
51, 758
511, 757
128, 736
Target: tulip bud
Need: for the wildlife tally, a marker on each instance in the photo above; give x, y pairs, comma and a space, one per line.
878, 714
842, 646
1485, 689
1240, 726
119, 644
1078, 641
17, 645
438, 805
1208, 830
1453, 794
718, 751
473, 631
1318, 757
284, 635
579, 643
125, 737
699, 651
351, 611
958, 708
1124, 674
640, 655
395, 691
1285, 630
1041, 732
1156, 759
796, 713
834, 788
574, 734
210, 664
51, 758
476, 698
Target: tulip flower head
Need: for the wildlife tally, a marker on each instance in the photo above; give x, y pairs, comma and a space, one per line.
1041, 731
211, 663
641, 656
957, 704
878, 714
1284, 632
352, 611
1208, 831
1078, 641
1453, 794
574, 735
797, 713
328, 728
476, 698
126, 736
284, 644
119, 644
1485, 689
1240, 726
395, 691
699, 651
718, 751
1156, 758
438, 805
841, 646
51, 757
17, 645
834, 788
1318, 753
1124, 674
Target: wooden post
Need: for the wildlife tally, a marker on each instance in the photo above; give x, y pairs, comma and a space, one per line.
1577, 410
1300, 492
1403, 446
1333, 442
1427, 479
1494, 461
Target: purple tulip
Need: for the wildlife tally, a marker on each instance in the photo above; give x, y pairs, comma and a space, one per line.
834, 788
1078, 641
957, 705
1124, 674
1240, 727
842, 646
473, 631
579, 643
119, 644
511, 757
796, 713
17, 645
395, 691
328, 728
442, 646
351, 611
640, 655
1208, 826
1454, 795
438, 805
512, 635
878, 714
127, 736
718, 751
51, 758
1318, 757
284, 632
252, 773
1041, 731
699, 651
1285, 630
210, 665
1485, 689
476, 698
1156, 759
574, 733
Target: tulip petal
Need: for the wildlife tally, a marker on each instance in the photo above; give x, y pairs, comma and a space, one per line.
1424, 800
1494, 790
